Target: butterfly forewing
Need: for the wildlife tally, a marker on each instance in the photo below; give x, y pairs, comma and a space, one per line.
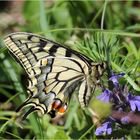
54, 71
29, 49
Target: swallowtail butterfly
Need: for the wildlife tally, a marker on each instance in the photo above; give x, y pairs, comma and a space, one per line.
54, 72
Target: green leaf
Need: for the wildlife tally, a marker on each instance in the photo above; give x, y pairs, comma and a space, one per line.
61, 135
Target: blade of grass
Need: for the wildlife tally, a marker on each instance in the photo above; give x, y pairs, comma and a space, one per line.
114, 32
43, 20
129, 79
15, 136
103, 15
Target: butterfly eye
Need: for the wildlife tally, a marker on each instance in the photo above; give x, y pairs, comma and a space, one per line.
56, 104
62, 109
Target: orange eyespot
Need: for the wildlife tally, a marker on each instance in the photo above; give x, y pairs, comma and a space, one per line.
56, 104
62, 109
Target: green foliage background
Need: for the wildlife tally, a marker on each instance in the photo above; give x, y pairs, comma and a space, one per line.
78, 24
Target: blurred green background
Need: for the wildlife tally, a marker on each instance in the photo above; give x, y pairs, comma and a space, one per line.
66, 22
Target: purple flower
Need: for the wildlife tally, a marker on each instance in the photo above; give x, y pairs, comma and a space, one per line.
121, 101
134, 102
125, 120
105, 128
114, 78
105, 96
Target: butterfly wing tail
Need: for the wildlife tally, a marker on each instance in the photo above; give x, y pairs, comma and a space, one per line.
31, 110
34, 103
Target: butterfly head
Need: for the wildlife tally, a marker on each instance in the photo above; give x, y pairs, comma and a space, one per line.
98, 69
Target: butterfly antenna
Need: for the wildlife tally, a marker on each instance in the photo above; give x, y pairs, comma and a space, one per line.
32, 109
